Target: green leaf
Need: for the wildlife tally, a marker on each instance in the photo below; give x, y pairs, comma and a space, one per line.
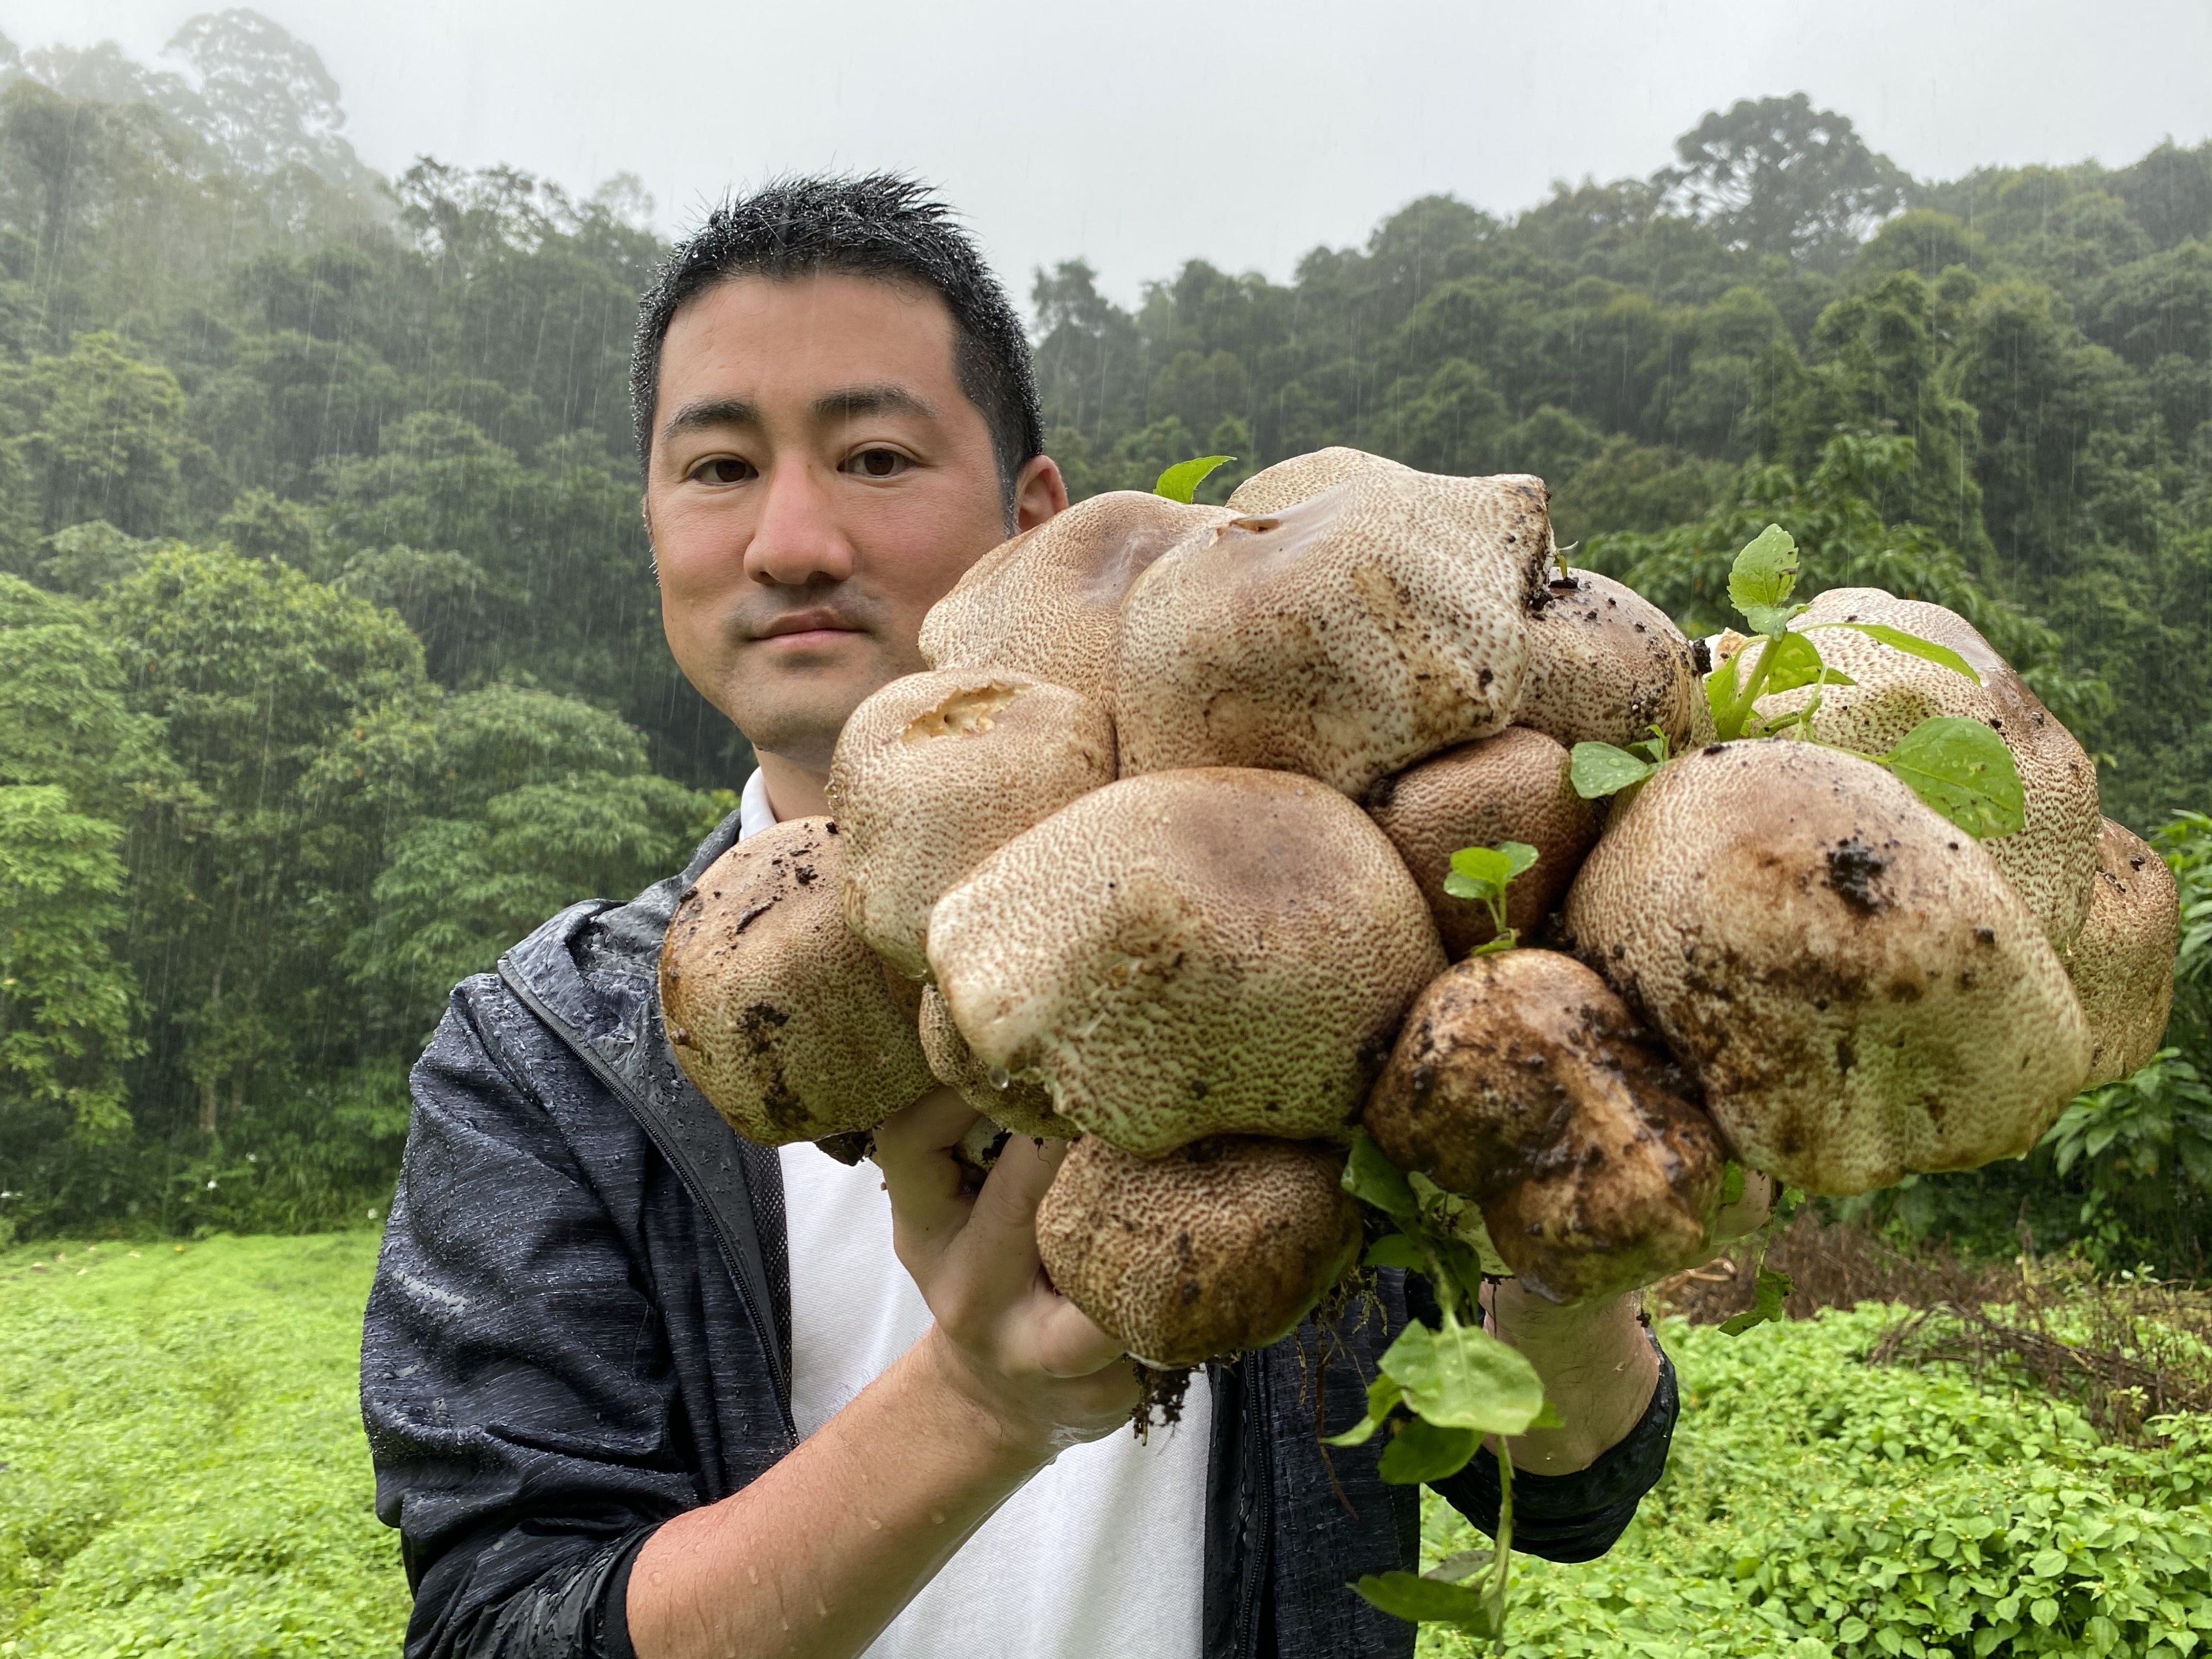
1764, 572
1767, 1298
1431, 1602
1732, 1182
1795, 663
1599, 769
1180, 482
1374, 1180
1771, 620
1424, 1451
1479, 873
1460, 1376
1395, 1250
1382, 1395
1720, 698
1964, 770
1911, 645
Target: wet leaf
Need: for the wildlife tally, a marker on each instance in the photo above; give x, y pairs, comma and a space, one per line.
1180, 482
1599, 769
1964, 770
1374, 1180
1383, 1394
1795, 662
1460, 1376
1732, 1183
1764, 572
1422, 1451
1482, 872
1395, 1250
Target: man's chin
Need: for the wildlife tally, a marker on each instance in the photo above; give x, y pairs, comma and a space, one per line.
798, 716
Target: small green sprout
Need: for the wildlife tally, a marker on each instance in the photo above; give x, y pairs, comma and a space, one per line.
1483, 873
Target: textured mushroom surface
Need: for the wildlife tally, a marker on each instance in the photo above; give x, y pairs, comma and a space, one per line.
1344, 637
1606, 665
1859, 991
1189, 953
2053, 858
1014, 1103
1302, 477
1521, 1081
1047, 604
1513, 787
937, 770
2122, 958
788, 1024
1221, 1246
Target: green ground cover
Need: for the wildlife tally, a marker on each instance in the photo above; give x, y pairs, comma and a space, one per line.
182, 1473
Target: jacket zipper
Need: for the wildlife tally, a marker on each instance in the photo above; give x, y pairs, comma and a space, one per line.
1261, 1563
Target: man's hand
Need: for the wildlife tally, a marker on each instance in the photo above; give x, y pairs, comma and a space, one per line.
1039, 1372
819, 1554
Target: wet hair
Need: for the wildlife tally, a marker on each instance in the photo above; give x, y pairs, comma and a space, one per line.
882, 225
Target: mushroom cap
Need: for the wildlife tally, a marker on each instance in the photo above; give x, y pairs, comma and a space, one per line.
1523, 1082
1047, 603
1344, 637
1186, 954
1859, 990
2122, 958
788, 1024
1606, 665
2053, 858
1513, 787
1221, 1246
1302, 477
1016, 1104
937, 770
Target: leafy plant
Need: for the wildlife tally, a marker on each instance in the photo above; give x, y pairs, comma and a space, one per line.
1180, 482
1482, 873
1960, 767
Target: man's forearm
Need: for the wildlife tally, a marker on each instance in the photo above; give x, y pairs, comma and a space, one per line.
1599, 1370
823, 1550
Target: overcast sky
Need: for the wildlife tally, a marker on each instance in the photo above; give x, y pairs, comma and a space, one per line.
1140, 133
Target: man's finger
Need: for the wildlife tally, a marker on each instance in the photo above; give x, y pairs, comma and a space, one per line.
999, 1242
914, 1150
1069, 1343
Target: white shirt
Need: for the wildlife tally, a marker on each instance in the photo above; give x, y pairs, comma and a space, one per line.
1101, 1555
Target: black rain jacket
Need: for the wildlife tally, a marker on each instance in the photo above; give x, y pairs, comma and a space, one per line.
580, 1328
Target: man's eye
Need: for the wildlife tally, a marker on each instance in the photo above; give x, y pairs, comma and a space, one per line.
723, 470
879, 462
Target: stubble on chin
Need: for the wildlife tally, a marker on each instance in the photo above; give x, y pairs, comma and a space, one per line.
797, 711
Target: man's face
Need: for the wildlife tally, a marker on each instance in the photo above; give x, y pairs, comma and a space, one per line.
817, 481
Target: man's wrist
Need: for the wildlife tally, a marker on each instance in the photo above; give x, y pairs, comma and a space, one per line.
976, 1412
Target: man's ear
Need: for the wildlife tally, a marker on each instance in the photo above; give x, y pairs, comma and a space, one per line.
652, 547
1040, 493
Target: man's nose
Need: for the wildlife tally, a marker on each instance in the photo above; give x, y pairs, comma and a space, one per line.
797, 539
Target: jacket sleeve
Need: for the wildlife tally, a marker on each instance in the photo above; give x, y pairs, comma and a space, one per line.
516, 1382
1567, 1518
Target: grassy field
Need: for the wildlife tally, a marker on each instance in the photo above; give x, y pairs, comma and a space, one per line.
182, 1473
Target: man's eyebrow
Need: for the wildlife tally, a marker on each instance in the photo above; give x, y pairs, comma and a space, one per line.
710, 412
884, 398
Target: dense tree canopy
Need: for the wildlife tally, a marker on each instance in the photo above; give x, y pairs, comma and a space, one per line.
330, 653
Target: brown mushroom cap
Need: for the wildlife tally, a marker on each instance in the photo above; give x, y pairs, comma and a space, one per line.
2122, 958
1513, 787
1012, 1103
2053, 859
1859, 990
1344, 637
1523, 1082
1302, 477
1606, 665
788, 1024
1221, 1246
1047, 604
934, 772
1186, 954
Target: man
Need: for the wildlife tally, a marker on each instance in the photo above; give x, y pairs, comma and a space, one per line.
635, 1386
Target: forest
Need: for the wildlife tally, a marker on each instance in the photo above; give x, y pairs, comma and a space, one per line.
329, 650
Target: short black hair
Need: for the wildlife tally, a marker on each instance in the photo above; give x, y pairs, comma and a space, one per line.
883, 225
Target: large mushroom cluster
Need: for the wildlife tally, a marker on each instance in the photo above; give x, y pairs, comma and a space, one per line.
1154, 857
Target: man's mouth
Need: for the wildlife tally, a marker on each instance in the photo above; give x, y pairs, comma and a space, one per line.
804, 627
